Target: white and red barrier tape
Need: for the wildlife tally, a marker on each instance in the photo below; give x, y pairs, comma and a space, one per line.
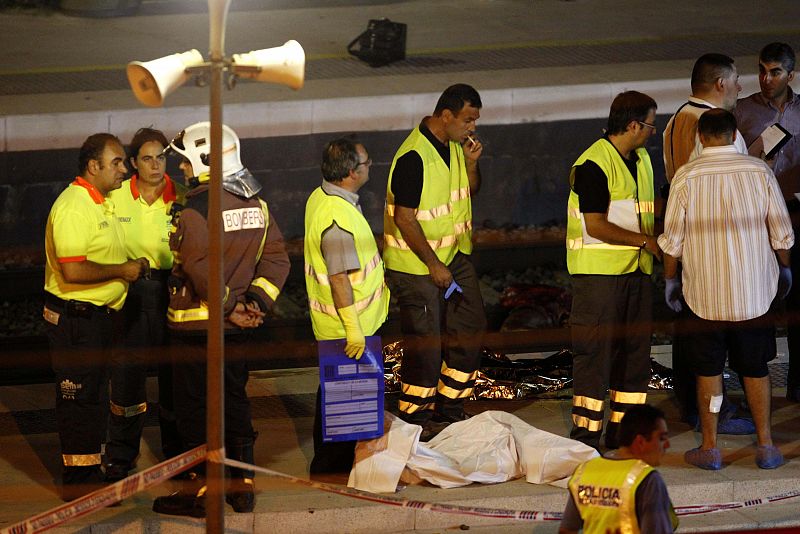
108, 495
527, 515
159, 473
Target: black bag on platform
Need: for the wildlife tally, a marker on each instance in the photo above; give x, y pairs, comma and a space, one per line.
383, 42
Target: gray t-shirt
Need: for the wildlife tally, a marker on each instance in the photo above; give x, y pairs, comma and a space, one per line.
338, 246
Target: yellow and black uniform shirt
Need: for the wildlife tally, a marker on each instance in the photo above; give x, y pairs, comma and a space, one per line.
146, 226
82, 226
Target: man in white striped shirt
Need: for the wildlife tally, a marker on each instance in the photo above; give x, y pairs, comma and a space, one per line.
728, 224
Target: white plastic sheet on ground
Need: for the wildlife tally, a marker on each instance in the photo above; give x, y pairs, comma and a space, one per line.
491, 447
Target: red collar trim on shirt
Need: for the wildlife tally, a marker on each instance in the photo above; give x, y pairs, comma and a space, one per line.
167, 195
96, 195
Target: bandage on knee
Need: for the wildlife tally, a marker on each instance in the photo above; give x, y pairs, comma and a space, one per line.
715, 403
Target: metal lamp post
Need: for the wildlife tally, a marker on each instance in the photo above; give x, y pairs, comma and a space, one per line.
151, 82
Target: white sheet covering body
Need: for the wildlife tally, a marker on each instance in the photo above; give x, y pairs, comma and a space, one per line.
491, 447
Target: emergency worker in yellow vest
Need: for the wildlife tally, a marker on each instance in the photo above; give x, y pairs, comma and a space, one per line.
610, 250
85, 281
255, 267
427, 247
143, 205
347, 295
622, 492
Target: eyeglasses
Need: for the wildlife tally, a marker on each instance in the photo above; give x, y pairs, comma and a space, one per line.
653, 126
367, 162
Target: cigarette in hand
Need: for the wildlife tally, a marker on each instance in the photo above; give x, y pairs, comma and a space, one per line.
471, 140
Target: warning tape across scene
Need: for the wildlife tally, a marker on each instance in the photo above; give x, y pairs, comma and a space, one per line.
159, 473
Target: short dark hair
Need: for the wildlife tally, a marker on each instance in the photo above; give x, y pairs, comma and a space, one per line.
455, 97
93, 148
778, 52
709, 68
145, 135
626, 107
339, 157
716, 122
641, 419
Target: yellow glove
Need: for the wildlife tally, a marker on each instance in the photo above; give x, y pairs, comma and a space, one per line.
354, 348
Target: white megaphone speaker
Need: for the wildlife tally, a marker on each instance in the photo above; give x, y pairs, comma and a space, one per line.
283, 64
152, 81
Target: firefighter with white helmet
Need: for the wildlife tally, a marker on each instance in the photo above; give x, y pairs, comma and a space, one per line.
255, 268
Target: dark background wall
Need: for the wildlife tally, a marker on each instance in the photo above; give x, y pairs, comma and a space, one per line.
524, 166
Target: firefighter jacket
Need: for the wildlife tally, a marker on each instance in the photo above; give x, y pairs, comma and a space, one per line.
255, 262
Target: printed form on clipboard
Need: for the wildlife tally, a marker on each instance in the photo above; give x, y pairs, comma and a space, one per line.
352, 391
774, 138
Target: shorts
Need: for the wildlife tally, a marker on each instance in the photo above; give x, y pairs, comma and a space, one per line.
748, 345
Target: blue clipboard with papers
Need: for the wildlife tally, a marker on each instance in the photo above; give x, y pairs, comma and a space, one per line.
352, 391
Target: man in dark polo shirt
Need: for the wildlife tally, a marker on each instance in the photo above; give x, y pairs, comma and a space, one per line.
427, 247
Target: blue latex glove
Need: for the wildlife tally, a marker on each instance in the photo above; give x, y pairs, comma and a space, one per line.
672, 294
784, 281
453, 287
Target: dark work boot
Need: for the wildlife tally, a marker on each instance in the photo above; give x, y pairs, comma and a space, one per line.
189, 501
77, 481
240, 494
116, 471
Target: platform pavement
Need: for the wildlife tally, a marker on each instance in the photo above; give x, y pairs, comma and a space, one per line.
283, 412
571, 58
534, 60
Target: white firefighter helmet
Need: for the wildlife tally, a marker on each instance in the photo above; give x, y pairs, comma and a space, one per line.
194, 143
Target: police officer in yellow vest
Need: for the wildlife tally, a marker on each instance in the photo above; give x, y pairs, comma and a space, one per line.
86, 281
427, 244
610, 249
622, 492
347, 296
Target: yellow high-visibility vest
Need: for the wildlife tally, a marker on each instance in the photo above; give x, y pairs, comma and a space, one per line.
444, 212
604, 492
370, 293
631, 207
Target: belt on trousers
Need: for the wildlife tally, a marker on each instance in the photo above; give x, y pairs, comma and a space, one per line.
160, 275
76, 308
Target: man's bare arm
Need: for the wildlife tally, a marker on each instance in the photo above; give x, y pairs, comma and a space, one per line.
89, 272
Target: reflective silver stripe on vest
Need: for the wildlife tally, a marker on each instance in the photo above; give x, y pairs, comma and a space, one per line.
577, 243
438, 211
627, 509
330, 309
435, 244
356, 277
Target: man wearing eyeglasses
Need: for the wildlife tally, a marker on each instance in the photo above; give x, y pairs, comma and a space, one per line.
715, 84
344, 273
610, 251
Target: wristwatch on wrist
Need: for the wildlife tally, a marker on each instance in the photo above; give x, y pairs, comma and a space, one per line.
644, 243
